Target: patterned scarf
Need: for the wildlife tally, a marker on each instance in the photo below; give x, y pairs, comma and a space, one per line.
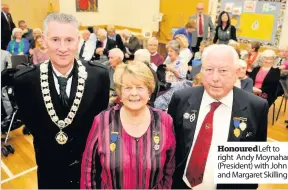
20, 46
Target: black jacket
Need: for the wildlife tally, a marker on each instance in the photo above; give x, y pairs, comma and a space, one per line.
59, 165
6, 30
245, 105
109, 45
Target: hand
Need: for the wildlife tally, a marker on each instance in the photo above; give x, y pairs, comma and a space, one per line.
127, 55
99, 51
190, 68
169, 68
257, 90
249, 70
282, 67
21, 53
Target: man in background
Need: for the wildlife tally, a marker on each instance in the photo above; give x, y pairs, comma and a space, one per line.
27, 32
86, 47
204, 22
7, 25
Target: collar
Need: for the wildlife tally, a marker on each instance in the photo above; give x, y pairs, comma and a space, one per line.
227, 100
59, 74
154, 54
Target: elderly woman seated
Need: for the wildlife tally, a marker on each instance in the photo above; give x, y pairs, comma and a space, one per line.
245, 83
156, 58
176, 68
253, 57
18, 45
185, 53
36, 32
266, 78
115, 58
131, 44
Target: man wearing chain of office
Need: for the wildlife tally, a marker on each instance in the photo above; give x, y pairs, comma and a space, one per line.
58, 100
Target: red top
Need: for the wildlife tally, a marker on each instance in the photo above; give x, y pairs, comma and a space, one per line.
115, 160
261, 75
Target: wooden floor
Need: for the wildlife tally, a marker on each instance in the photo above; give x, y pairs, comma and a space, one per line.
18, 171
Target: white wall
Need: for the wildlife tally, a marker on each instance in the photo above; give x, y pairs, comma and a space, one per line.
130, 13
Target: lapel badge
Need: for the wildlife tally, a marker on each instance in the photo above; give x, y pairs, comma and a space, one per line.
112, 147
207, 126
186, 115
236, 121
156, 147
114, 136
237, 132
192, 116
243, 124
156, 139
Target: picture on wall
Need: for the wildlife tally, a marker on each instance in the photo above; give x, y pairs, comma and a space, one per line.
86, 5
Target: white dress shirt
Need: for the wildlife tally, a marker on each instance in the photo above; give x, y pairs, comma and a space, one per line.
69, 82
221, 126
198, 22
88, 49
93, 38
104, 43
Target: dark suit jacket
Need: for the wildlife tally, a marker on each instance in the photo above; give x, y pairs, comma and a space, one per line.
6, 31
56, 163
270, 83
232, 33
109, 45
133, 44
119, 43
245, 104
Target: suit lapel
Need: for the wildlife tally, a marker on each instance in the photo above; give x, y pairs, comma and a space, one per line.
238, 110
74, 84
189, 124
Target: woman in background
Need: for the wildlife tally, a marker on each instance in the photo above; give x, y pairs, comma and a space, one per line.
185, 53
18, 45
130, 146
253, 58
245, 82
40, 51
190, 27
176, 69
224, 31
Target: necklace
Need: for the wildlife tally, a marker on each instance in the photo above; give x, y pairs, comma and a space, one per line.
61, 137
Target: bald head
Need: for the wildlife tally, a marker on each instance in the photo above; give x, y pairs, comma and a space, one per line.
5, 8
200, 8
85, 35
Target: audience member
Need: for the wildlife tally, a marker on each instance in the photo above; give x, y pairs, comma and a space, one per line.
187, 31
133, 123
131, 44
236, 46
27, 32
266, 78
7, 26
253, 58
198, 80
94, 36
246, 83
40, 52
203, 45
36, 32
176, 69
156, 58
225, 31
185, 53
5, 60
103, 46
18, 45
204, 23
116, 37
86, 47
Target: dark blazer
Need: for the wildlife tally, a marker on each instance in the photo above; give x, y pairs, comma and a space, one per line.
232, 33
119, 43
270, 83
59, 165
247, 85
245, 104
28, 35
6, 30
133, 44
109, 45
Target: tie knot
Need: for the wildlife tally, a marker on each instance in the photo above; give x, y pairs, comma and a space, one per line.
62, 82
214, 106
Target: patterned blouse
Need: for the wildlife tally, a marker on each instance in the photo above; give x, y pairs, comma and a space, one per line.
115, 160
180, 65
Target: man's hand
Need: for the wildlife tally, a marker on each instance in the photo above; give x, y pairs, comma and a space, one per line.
257, 90
99, 51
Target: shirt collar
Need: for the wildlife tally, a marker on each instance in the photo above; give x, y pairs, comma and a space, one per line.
227, 100
154, 53
59, 74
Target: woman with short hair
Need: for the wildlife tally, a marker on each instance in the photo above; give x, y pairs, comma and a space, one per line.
40, 51
185, 53
190, 27
18, 45
176, 68
130, 146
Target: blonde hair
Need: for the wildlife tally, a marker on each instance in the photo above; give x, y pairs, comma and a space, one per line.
137, 69
183, 41
198, 79
190, 24
110, 28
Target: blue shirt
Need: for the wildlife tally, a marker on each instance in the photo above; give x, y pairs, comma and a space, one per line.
183, 31
25, 50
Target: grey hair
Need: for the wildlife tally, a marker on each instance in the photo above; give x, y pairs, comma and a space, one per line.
153, 39
142, 55
227, 50
174, 45
268, 53
117, 52
102, 32
16, 30
111, 27
37, 30
62, 18
127, 33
